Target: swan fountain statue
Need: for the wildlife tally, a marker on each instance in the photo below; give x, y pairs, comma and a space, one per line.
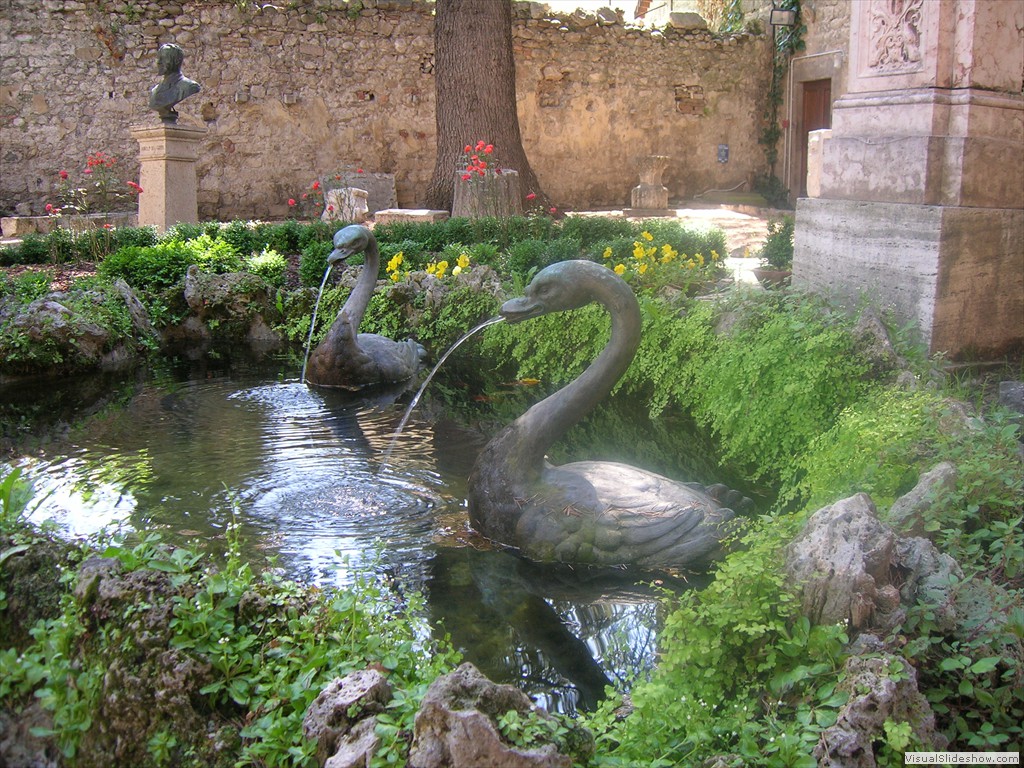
349, 359
589, 512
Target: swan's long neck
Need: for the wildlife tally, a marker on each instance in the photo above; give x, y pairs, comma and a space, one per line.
548, 420
358, 300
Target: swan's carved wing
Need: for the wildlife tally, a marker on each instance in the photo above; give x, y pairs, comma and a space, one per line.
606, 513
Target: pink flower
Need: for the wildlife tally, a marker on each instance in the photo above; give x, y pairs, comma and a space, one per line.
49, 207
87, 170
532, 196
136, 187
291, 201
552, 210
63, 174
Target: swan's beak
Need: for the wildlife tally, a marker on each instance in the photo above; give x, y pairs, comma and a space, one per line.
338, 254
522, 308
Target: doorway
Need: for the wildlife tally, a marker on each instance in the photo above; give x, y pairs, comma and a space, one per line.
816, 113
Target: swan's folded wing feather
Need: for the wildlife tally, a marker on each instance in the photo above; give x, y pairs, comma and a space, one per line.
614, 513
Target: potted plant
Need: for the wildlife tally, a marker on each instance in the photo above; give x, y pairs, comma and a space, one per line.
777, 254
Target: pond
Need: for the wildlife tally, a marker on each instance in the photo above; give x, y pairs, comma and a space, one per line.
185, 448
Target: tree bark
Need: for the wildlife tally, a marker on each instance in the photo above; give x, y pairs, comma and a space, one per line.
475, 88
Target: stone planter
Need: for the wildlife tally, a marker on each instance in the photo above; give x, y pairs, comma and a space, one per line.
773, 278
495, 194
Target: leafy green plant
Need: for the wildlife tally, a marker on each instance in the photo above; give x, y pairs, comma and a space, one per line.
313, 263
268, 264
777, 251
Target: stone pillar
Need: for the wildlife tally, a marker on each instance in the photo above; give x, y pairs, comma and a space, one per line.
921, 199
649, 194
167, 155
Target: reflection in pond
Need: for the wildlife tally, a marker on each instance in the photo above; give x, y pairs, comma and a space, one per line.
180, 452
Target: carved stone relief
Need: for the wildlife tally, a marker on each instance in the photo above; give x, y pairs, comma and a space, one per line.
895, 42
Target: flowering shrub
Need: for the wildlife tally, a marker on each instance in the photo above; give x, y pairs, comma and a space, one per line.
101, 190
477, 166
397, 268
310, 203
652, 264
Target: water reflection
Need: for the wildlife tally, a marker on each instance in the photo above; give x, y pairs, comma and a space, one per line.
302, 469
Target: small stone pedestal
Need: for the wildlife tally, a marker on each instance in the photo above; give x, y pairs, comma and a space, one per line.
495, 194
650, 195
167, 156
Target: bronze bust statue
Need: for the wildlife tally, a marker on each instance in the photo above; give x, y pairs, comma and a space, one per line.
174, 87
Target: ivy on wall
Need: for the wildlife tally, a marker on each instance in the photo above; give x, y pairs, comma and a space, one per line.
788, 40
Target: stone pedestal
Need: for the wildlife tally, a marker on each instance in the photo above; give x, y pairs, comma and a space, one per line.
495, 194
649, 194
168, 155
920, 195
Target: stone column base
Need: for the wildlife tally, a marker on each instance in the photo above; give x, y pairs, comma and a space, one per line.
957, 273
167, 156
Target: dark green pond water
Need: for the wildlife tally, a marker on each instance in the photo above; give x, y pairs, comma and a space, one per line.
182, 449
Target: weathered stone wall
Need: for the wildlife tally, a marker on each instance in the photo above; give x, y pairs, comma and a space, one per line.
291, 93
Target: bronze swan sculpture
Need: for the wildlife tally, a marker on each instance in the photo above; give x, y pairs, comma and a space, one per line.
349, 359
589, 512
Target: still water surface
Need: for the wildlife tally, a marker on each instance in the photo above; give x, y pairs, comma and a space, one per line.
181, 451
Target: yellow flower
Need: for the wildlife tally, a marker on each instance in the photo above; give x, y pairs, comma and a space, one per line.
667, 253
607, 252
716, 257
463, 261
431, 268
700, 259
442, 267
395, 277
647, 236
620, 269
396, 262
642, 268
649, 252
638, 251
690, 264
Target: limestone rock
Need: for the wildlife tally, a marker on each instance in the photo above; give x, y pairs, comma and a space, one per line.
332, 719
455, 727
881, 687
908, 513
235, 306
687, 21
840, 561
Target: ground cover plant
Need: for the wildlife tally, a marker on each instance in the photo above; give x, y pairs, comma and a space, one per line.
785, 390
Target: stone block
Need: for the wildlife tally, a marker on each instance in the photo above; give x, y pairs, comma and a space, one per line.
957, 273
380, 187
392, 215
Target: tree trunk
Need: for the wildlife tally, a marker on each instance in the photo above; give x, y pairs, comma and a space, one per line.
475, 87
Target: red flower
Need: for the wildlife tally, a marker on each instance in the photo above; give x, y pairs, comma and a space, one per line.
497, 171
359, 170
552, 210
480, 145
108, 226
532, 196
330, 208
63, 174
489, 148
49, 207
466, 177
316, 185
291, 201
136, 187
337, 177
304, 195
468, 149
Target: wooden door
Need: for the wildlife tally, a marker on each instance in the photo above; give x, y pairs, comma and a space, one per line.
817, 113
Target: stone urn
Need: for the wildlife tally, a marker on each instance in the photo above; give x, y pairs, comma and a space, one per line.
650, 193
496, 193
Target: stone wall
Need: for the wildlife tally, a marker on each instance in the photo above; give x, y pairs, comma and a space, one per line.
296, 92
